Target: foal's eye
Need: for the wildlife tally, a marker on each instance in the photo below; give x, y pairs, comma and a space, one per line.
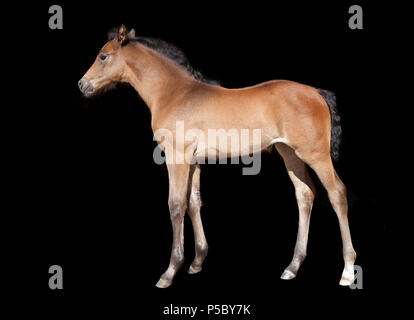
102, 57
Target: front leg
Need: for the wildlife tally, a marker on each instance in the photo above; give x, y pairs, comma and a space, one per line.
194, 206
177, 201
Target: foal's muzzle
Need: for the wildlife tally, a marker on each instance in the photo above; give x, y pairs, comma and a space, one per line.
85, 86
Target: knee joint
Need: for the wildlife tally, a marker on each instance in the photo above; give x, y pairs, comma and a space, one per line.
195, 198
176, 209
305, 195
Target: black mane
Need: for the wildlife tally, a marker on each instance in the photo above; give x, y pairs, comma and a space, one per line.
170, 51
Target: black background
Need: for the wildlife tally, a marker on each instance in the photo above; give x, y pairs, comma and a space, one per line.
91, 199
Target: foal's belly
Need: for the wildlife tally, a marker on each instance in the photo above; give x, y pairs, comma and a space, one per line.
221, 144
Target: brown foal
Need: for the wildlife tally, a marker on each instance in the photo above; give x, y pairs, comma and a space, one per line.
293, 117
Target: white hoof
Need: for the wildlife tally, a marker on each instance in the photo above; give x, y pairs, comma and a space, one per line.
193, 270
163, 283
347, 279
287, 275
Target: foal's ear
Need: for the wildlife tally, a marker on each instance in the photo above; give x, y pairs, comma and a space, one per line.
131, 34
122, 35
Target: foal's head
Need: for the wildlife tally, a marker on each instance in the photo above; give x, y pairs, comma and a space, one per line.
108, 66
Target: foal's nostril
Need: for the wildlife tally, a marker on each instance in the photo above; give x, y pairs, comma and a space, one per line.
80, 84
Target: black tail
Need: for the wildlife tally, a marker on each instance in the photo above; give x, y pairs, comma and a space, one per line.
336, 130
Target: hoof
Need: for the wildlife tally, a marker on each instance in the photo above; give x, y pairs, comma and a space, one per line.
287, 275
162, 283
347, 280
193, 270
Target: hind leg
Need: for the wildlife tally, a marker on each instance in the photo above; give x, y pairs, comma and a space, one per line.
321, 163
305, 193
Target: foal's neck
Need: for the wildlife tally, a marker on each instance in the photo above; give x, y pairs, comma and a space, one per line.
155, 77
